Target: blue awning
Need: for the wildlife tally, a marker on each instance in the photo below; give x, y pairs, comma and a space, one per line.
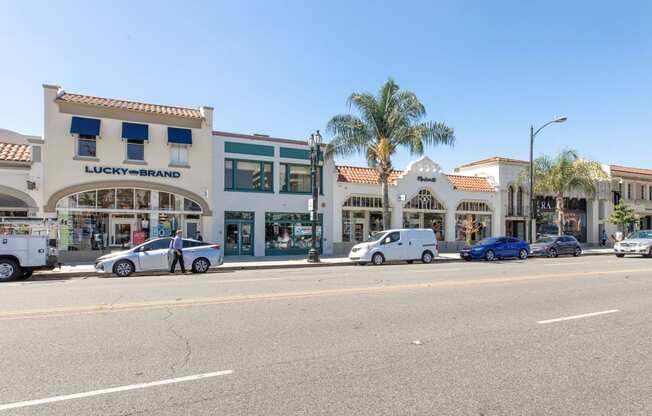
179, 136
88, 126
133, 131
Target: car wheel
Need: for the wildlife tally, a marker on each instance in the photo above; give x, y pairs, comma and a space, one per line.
361, 263
467, 258
489, 255
123, 268
377, 259
200, 265
427, 257
578, 252
522, 254
9, 270
26, 275
410, 261
620, 255
553, 253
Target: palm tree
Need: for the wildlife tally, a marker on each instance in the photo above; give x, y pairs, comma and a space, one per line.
386, 122
557, 177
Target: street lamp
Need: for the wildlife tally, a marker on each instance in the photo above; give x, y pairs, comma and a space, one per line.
533, 134
315, 154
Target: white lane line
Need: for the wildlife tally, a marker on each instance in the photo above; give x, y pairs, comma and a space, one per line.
28, 403
586, 315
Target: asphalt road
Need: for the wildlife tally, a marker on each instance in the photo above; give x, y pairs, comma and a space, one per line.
568, 336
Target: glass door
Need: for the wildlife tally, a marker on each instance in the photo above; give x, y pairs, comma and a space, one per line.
121, 232
239, 238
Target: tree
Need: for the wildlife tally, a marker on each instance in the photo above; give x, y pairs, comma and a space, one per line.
470, 227
623, 215
559, 176
386, 122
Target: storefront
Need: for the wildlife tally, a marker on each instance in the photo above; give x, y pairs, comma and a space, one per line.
575, 217
361, 216
473, 221
239, 233
425, 211
290, 233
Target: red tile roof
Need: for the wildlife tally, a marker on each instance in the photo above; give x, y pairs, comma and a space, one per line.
634, 171
356, 174
471, 183
495, 159
11, 152
130, 105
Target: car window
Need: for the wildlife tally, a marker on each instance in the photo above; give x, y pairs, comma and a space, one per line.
501, 241
193, 243
512, 240
393, 237
156, 244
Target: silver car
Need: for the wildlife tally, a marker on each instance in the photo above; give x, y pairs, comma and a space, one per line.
156, 254
638, 242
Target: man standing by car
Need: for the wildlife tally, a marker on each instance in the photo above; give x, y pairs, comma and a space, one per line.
177, 252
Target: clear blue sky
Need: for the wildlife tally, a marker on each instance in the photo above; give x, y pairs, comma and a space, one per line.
486, 68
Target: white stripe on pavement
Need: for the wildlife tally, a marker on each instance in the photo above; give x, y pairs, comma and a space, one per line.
586, 315
28, 403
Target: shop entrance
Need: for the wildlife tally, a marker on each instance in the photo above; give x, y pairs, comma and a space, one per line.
238, 233
121, 231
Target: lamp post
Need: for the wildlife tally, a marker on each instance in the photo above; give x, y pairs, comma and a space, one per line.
315, 154
533, 134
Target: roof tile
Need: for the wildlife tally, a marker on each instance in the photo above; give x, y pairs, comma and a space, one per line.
130, 105
635, 171
11, 152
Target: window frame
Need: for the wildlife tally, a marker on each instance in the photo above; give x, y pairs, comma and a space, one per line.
134, 142
86, 138
234, 168
320, 174
180, 147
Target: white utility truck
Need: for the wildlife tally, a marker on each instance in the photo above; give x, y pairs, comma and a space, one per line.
20, 255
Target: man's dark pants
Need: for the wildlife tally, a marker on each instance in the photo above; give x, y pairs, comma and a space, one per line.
178, 257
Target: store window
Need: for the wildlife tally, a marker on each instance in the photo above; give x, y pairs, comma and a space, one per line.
643, 193
424, 200
472, 221
125, 198
290, 233
519, 201
296, 179
433, 220
135, 150
86, 145
247, 175
510, 201
179, 154
167, 202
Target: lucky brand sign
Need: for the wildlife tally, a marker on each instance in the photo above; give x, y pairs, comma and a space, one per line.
105, 170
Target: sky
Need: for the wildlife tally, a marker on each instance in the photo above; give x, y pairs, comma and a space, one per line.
488, 69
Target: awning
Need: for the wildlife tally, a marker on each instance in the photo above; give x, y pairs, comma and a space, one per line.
87, 126
179, 136
133, 131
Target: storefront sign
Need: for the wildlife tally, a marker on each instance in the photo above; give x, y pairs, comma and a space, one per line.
426, 179
132, 172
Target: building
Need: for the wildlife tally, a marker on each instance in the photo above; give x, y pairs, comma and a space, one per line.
260, 196
117, 172
21, 170
420, 196
633, 186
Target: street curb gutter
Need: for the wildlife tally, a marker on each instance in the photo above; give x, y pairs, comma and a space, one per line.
55, 275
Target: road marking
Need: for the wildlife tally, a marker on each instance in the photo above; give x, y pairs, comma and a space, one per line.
176, 303
54, 399
585, 315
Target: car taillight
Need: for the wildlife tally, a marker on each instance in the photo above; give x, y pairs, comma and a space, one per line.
216, 246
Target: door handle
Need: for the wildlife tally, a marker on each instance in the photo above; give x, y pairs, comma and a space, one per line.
400, 244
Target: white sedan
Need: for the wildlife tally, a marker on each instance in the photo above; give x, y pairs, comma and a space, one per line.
153, 255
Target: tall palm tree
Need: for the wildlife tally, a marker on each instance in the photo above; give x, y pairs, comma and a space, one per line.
386, 121
561, 175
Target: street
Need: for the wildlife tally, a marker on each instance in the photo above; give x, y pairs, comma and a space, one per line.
569, 336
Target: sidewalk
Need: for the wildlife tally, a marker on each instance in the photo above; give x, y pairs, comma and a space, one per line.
262, 263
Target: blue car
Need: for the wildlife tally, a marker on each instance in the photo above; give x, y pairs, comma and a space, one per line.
496, 248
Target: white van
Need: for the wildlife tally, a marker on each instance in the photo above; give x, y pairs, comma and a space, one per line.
406, 244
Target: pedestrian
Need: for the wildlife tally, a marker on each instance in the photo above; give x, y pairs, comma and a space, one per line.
603, 238
177, 252
199, 236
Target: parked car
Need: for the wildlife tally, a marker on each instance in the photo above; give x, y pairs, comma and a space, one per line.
20, 255
407, 244
553, 246
155, 254
496, 248
638, 242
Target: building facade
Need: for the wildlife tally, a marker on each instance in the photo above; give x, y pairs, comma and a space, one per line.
260, 197
118, 172
633, 186
21, 170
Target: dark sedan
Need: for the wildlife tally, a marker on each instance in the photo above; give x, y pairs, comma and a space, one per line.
553, 246
496, 248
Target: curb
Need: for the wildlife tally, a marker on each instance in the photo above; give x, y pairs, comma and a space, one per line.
55, 275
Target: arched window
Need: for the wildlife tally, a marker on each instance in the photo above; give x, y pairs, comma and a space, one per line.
473, 206
363, 201
425, 200
510, 200
519, 201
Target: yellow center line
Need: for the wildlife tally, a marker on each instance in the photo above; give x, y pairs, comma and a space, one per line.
176, 303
